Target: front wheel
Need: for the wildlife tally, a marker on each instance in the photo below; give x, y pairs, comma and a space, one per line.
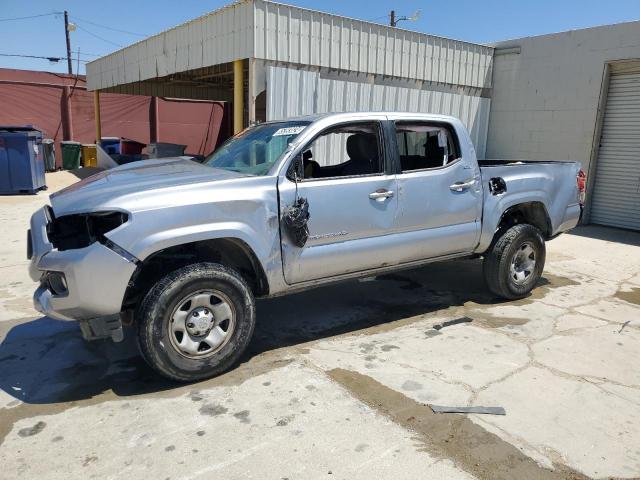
514, 262
196, 322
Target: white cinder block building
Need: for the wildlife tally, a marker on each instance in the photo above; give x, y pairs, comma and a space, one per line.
575, 96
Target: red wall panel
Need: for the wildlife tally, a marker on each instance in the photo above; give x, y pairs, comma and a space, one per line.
193, 123
36, 98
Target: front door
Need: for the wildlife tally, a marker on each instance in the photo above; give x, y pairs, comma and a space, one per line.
352, 203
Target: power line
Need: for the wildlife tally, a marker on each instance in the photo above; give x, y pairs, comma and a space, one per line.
51, 59
92, 54
110, 28
30, 16
98, 36
378, 18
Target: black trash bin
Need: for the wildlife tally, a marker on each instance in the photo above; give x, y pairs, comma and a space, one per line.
21, 160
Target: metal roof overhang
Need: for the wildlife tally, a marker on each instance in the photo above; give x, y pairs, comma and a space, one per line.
193, 60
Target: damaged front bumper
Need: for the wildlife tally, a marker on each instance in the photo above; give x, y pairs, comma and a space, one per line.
95, 279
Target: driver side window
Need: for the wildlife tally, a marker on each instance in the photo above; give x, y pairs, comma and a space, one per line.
344, 151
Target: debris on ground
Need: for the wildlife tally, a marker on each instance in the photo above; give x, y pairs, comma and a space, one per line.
480, 410
449, 323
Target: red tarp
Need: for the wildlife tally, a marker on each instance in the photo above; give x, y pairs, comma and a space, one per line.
36, 98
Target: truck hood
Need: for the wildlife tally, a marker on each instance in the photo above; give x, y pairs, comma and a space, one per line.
101, 189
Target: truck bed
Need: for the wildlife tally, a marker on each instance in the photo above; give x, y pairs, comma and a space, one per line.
549, 183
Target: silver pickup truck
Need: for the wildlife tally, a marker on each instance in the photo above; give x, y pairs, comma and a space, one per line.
180, 249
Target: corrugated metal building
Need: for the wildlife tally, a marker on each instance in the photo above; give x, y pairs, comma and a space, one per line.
273, 61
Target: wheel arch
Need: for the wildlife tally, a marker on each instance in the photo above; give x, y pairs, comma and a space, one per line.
229, 251
534, 213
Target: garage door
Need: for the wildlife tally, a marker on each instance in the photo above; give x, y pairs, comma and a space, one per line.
616, 193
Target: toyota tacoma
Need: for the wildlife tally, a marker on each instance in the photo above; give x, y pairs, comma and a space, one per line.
181, 249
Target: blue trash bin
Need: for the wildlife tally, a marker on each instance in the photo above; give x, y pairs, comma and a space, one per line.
111, 145
21, 160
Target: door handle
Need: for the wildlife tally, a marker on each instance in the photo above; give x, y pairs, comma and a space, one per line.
460, 186
380, 195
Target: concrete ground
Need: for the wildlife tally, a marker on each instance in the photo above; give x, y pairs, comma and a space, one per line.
337, 380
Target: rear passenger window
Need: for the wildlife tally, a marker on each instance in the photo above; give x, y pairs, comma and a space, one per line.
424, 145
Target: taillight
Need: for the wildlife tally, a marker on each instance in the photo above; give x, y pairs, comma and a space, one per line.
582, 186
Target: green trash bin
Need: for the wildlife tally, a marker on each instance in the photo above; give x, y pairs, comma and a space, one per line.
71, 155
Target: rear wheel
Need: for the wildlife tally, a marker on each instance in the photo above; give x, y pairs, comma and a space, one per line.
196, 322
515, 261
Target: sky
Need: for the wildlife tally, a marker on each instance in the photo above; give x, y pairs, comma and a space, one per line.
105, 26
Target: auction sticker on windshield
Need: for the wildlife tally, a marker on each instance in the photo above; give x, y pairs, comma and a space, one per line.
289, 131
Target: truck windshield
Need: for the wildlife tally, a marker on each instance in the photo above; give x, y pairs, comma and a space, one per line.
255, 150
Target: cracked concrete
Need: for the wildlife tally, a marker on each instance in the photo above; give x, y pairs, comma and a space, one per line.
332, 374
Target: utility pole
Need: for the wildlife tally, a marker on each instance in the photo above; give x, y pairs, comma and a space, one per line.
393, 20
66, 34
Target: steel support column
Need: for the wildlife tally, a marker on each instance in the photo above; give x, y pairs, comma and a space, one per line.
96, 115
238, 96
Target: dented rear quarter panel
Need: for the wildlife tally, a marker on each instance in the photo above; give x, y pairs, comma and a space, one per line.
553, 184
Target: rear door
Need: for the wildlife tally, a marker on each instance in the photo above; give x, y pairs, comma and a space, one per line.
439, 191
352, 203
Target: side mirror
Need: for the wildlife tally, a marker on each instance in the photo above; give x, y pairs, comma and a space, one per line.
296, 169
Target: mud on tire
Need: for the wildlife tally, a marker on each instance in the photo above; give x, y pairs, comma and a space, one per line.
515, 261
196, 322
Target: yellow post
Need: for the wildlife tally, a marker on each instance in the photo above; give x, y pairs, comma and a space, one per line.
96, 113
238, 97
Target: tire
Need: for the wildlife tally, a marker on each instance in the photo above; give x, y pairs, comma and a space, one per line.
508, 268
196, 322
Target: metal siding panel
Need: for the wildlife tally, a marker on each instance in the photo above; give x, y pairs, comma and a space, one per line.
272, 38
355, 48
258, 29
427, 71
304, 50
195, 45
379, 54
315, 41
181, 62
284, 33
616, 192
295, 35
395, 53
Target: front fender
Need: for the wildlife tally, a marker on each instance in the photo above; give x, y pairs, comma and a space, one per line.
254, 223
194, 233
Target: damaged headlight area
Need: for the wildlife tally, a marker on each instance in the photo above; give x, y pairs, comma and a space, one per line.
55, 282
81, 230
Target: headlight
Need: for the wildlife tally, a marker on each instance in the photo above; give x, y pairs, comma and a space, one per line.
81, 230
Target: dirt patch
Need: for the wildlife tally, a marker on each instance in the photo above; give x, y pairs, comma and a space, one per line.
451, 436
498, 322
30, 431
632, 296
546, 283
213, 410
